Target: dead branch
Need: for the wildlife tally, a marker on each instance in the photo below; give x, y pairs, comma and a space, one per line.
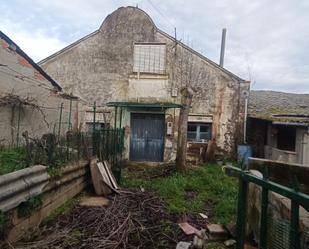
134, 219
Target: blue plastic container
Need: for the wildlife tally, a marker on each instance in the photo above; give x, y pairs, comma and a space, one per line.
243, 153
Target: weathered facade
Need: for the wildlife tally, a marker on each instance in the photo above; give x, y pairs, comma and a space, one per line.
279, 126
30, 99
128, 60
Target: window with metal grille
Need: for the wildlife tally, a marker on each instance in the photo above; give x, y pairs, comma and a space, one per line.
149, 58
199, 132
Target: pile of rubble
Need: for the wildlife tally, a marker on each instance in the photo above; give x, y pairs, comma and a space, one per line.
211, 233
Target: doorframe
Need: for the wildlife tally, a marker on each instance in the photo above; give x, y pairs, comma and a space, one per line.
164, 131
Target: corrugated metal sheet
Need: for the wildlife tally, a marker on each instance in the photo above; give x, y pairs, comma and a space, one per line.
19, 186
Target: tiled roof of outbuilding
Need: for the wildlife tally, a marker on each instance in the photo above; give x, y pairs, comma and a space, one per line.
279, 106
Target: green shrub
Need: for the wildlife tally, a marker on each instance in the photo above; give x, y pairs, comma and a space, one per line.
12, 159
26, 208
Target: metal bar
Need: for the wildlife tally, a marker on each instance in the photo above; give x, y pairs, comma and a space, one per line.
18, 125
290, 193
70, 112
60, 117
93, 128
294, 233
263, 219
120, 118
115, 121
241, 213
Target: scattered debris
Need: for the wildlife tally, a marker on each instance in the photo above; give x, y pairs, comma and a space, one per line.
203, 215
198, 242
231, 228
249, 247
183, 245
202, 234
220, 163
103, 180
200, 239
217, 232
110, 175
187, 228
97, 201
229, 242
134, 219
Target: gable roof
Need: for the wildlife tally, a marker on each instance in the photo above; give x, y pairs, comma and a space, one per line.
158, 30
279, 106
29, 60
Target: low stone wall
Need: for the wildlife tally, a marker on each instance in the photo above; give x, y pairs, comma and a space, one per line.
280, 155
53, 192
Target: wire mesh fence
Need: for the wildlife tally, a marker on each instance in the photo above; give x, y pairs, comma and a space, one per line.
55, 151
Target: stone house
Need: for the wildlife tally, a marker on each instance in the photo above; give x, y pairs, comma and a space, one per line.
131, 66
30, 99
278, 126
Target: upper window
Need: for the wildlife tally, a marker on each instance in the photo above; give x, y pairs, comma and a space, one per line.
149, 58
199, 132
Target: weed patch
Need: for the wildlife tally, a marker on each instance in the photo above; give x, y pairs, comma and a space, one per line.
26, 208
12, 159
203, 189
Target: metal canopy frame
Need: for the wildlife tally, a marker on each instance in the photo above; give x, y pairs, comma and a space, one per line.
144, 105
122, 105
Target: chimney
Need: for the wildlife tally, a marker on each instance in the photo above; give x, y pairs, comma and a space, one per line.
222, 47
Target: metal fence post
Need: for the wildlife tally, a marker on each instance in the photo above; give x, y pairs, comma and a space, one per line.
241, 212
60, 117
70, 113
18, 125
120, 118
263, 218
115, 121
93, 128
294, 229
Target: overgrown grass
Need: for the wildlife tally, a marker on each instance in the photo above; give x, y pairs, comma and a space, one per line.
12, 159
204, 189
16, 158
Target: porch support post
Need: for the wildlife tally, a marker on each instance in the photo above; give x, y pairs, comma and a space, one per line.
115, 118
120, 118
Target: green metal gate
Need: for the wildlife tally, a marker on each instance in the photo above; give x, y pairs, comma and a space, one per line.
108, 144
267, 240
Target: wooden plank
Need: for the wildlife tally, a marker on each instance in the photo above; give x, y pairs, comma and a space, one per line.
99, 177
283, 173
110, 175
104, 174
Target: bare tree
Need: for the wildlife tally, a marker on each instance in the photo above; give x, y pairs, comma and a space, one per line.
190, 77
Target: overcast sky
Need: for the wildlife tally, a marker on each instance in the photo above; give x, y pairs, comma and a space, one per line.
267, 41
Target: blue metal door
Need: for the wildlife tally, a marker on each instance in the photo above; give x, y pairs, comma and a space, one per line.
147, 137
